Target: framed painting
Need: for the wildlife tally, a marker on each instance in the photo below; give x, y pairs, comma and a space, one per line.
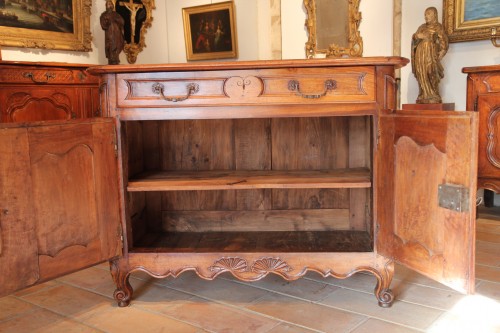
54, 24
467, 20
209, 31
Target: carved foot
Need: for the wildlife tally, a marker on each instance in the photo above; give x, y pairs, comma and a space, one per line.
124, 291
385, 298
384, 294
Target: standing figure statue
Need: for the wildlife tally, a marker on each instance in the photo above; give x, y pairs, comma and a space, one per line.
112, 23
428, 47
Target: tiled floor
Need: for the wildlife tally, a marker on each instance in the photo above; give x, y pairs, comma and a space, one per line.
82, 302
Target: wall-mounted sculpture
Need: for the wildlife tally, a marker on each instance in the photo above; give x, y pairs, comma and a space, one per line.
138, 16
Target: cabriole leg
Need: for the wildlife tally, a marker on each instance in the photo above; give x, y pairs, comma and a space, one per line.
124, 291
384, 294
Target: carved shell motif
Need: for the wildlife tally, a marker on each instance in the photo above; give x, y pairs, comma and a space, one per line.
229, 264
260, 266
266, 265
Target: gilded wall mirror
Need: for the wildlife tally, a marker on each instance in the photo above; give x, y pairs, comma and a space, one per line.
332, 26
138, 15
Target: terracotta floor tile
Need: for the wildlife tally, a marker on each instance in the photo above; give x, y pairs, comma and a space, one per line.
219, 289
218, 318
44, 321
95, 279
70, 301
36, 288
132, 319
288, 328
407, 275
303, 288
306, 314
488, 273
489, 289
359, 281
379, 326
488, 259
432, 297
474, 313
407, 314
11, 306
156, 298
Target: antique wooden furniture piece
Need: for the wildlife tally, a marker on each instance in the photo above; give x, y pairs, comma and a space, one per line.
248, 168
46, 91
483, 96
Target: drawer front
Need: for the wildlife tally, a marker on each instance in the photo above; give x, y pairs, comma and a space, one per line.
487, 82
246, 87
46, 76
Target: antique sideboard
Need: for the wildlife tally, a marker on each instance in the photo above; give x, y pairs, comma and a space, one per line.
483, 96
247, 168
32, 91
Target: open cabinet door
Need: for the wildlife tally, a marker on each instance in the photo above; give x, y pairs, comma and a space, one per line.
59, 199
426, 169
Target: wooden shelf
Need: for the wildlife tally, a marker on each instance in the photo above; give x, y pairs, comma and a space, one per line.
240, 180
269, 241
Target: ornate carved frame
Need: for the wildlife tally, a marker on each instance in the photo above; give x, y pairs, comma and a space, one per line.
355, 45
459, 30
79, 40
132, 49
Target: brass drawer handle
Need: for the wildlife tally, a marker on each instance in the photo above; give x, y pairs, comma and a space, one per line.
30, 75
192, 88
293, 85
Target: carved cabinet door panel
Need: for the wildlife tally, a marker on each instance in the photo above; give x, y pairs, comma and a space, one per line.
36, 103
59, 201
425, 193
488, 107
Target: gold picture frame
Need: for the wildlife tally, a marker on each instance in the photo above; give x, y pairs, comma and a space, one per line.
210, 31
333, 28
462, 21
65, 27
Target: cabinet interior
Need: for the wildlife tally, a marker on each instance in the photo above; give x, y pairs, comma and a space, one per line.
249, 185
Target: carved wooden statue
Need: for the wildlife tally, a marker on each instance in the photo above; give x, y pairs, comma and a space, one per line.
428, 47
112, 23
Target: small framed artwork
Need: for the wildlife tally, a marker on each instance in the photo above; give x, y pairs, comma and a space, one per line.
467, 20
209, 31
61, 25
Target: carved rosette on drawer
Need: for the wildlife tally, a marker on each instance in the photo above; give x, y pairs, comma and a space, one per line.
272, 87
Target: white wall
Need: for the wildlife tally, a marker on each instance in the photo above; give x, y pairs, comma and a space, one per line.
165, 39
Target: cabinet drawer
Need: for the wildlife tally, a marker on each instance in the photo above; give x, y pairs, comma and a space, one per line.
46, 76
246, 87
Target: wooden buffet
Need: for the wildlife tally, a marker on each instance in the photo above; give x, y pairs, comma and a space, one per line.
32, 91
483, 96
248, 168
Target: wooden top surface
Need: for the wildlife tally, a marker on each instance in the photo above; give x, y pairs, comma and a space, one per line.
397, 62
43, 64
480, 69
